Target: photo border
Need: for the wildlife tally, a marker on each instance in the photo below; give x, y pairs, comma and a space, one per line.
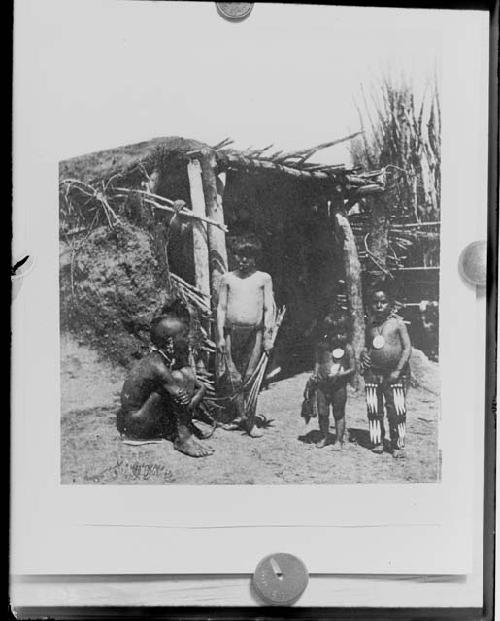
490, 441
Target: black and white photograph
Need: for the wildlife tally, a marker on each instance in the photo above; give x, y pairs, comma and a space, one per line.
241, 325
253, 298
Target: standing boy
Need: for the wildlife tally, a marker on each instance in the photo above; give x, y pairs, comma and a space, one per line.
245, 318
387, 373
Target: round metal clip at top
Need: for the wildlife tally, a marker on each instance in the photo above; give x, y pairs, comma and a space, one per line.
472, 263
234, 11
280, 579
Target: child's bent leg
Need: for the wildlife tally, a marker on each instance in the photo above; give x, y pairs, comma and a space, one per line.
323, 404
375, 411
145, 423
185, 441
339, 401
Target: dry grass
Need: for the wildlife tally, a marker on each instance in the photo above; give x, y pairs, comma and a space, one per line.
403, 135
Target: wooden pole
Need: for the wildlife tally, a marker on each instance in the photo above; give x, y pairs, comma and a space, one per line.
160, 249
159, 239
353, 286
200, 238
216, 237
221, 186
378, 239
151, 185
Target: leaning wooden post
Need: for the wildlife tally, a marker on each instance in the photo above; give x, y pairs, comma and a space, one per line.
216, 237
200, 237
378, 240
353, 286
159, 236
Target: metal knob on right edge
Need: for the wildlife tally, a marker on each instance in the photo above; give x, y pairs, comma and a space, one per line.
472, 263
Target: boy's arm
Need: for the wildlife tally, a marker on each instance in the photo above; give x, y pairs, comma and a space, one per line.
364, 356
315, 373
179, 395
405, 354
350, 362
221, 313
312, 381
268, 312
318, 359
198, 395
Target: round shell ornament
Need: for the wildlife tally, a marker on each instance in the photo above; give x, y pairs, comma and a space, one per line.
338, 353
334, 369
378, 342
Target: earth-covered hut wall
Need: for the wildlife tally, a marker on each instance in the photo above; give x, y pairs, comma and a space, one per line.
115, 271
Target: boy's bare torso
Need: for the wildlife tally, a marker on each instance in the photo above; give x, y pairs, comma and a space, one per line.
389, 355
329, 366
245, 299
150, 375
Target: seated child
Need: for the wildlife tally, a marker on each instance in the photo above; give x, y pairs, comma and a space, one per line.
328, 383
385, 364
161, 392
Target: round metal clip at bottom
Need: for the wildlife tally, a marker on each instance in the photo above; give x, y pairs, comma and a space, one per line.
280, 579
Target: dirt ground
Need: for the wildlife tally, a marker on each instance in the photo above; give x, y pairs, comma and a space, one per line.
91, 450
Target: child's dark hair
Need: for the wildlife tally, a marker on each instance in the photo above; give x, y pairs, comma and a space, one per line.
171, 308
381, 288
155, 334
248, 245
175, 308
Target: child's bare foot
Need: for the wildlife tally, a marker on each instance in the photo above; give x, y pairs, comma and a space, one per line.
322, 443
189, 446
378, 448
233, 425
398, 454
255, 432
204, 433
338, 446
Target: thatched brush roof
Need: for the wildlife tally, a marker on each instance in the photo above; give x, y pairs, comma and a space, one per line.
102, 165
143, 158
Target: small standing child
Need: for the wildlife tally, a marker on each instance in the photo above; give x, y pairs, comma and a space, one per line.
328, 383
386, 368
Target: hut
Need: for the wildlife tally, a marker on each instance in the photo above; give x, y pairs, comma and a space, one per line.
194, 198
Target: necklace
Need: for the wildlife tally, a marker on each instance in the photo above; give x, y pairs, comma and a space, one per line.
170, 361
379, 341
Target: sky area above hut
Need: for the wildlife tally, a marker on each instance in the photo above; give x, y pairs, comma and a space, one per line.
109, 90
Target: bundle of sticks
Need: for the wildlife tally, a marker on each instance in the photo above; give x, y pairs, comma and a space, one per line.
255, 382
190, 293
